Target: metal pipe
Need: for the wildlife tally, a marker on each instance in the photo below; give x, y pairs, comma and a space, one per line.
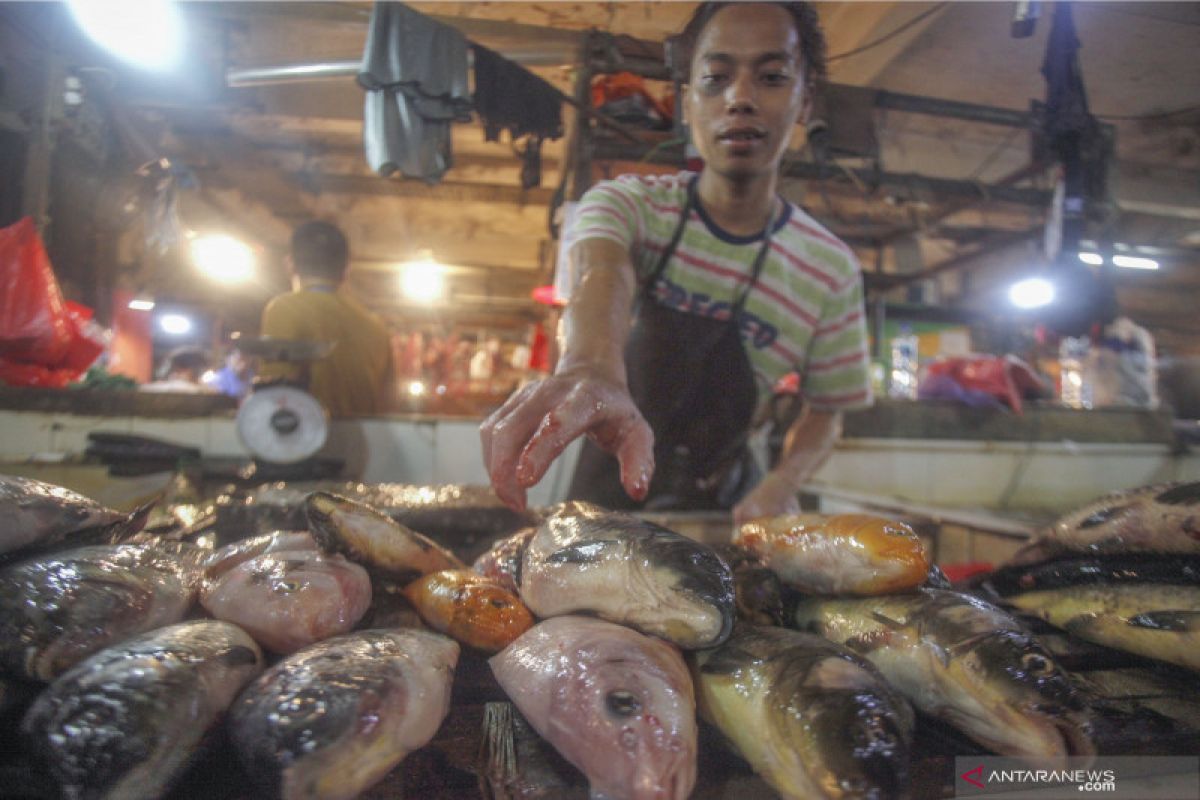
937, 107
238, 77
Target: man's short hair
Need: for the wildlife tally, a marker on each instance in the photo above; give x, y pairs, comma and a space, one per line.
808, 26
184, 358
319, 250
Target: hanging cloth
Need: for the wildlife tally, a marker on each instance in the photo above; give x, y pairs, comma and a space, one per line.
415, 72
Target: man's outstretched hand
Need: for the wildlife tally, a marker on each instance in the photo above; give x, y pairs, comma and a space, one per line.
533, 427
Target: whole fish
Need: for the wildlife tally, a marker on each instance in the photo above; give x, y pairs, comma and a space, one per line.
964, 661
125, 723
57, 610
502, 563
290, 599
332, 720
1155, 620
837, 555
616, 704
40, 516
1164, 518
814, 719
229, 556
586, 559
373, 539
1092, 570
471, 608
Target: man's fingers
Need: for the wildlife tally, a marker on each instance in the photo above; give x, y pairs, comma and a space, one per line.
486, 429
557, 430
636, 456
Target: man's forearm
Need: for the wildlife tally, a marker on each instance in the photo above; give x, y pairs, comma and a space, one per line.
809, 441
596, 322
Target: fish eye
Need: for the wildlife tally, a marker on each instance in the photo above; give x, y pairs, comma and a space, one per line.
623, 704
1036, 664
498, 602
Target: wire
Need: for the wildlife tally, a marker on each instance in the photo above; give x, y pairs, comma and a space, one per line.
887, 36
1154, 115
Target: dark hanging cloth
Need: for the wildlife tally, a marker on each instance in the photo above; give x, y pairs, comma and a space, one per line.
415, 73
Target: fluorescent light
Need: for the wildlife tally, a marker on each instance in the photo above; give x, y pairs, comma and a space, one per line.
424, 281
223, 258
1135, 262
146, 33
1095, 259
175, 324
1031, 293
141, 304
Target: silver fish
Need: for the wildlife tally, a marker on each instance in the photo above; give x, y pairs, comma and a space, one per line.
502, 563
341, 525
813, 718
586, 559
290, 599
57, 610
964, 661
125, 723
231, 555
1164, 518
39, 516
616, 704
332, 720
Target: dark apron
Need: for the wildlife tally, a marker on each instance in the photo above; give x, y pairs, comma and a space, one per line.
692, 380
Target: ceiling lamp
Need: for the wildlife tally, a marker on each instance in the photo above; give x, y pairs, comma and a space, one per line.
175, 324
424, 280
1093, 259
1031, 293
1134, 262
223, 258
145, 33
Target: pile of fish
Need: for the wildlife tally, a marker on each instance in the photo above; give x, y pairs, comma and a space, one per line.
325, 651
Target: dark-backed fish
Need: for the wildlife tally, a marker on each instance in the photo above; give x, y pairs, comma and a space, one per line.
332, 720
290, 599
616, 704
964, 661
813, 718
586, 559
1091, 570
125, 723
838, 555
40, 516
757, 590
374, 540
57, 610
472, 609
1163, 518
502, 563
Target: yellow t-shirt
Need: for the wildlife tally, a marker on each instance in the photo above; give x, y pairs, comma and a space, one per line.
349, 382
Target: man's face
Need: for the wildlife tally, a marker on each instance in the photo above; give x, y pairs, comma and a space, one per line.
747, 89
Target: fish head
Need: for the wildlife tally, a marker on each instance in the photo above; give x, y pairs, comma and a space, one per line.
495, 614
693, 587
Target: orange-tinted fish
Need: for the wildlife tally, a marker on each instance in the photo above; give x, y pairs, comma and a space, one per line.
471, 608
840, 554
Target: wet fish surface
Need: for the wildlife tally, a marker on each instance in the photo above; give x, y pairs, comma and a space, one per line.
1164, 518
964, 661
838, 554
57, 610
814, 719
1092, 570
39, 516
235, 553
470, 608
125, 723
290, 599
502, 562
615, 703
757, 589
332, 720
376, 541
584, 558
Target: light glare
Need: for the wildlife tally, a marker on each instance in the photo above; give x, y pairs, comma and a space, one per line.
146, 33
416, 388
223, 258
1095, 259
175, 324
1135, 262
1031, 293
423, 281
141, 304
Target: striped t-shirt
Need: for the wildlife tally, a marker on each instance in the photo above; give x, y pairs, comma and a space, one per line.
805, 313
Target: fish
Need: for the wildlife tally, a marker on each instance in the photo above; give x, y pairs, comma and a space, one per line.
41, 516
125, 723
389, 608
584, 558
235, 553
758, 594
615, 703
963, 661
1159, 621
1163, 518
842, 554
332, 720
1091, 570
813, 718
374, 540
470, 608
502, 563
290, 599
56, 610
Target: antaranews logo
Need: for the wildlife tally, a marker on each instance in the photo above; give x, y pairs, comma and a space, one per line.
1135, 778
974, 777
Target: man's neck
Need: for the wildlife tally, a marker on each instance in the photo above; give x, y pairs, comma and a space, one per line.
743, 208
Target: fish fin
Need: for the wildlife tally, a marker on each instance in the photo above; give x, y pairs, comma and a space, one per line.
123, 529
1172, 620
586, 552
239, 656
1185, 494
886, 621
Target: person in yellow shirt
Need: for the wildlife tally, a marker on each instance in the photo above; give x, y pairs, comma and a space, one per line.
356, 378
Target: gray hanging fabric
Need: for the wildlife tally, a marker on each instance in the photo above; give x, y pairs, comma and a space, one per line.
415, 72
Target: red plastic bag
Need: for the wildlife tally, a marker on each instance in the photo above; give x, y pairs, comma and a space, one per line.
87, 340
34, 326
17, 373
989, 374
